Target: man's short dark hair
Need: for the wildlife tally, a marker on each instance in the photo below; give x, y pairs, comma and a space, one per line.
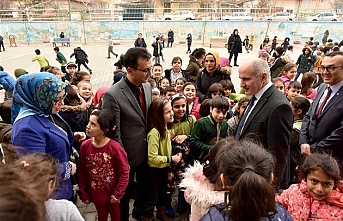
133, 54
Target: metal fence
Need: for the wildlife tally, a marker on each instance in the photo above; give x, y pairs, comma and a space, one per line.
139, 13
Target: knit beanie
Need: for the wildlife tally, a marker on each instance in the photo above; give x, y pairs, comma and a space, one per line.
19, 72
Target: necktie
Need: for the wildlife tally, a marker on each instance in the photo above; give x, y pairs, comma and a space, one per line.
141, 99
320, 109
244, 117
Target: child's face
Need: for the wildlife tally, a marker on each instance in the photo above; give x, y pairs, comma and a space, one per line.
242, 108
71, 70
85, 90
168, 113
218, 114
153, 84
293, 92
154, 96
291, 73
296, 113
189, 92
266, 47
93, 128
227, 92
264, 58
215, 94
58, 74
169, 94
164, 83
157, 72
307, 51
179, 86
177, 65
179, 108
280, 86
319, 184
86, 78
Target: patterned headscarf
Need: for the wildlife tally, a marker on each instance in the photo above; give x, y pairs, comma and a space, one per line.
35, 94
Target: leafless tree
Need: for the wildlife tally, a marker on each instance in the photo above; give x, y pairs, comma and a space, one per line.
336, 5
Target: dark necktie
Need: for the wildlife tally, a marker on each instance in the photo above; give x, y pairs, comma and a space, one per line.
141, 99
244, 117
320, 109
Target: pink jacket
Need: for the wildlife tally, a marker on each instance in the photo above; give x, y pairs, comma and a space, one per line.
286, 80
196, 108
302, 207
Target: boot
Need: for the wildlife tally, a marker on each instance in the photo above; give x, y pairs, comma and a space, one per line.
161, 213
181, 202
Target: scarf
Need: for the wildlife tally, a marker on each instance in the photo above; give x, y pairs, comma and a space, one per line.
216, 59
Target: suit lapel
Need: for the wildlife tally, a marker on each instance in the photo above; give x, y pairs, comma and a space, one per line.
333, 100
54, 128
126, 91
320, 93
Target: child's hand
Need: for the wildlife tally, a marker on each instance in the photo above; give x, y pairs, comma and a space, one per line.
114, 200
87, 201
177, 158
172, 134
180, 138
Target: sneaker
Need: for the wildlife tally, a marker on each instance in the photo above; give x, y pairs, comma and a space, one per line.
116, 55
108, 57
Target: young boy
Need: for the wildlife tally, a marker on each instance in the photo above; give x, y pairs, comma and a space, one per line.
71, 67
61, 59
157, 72
157, 50
264, 56
210, 128
168, 92
293, 90
43, 62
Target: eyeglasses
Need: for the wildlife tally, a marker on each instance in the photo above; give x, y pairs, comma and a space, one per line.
60, 99
328, 69
145, 71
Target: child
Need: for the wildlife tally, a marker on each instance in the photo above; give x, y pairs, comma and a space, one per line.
61, 59
168, 92
293, 90
183, 126
237, 114
289, 53
251, 42
155, 93
214, 90
189, 90
264, 56
163, 83
202, 183
160, 120
307, 82
43, 62
103, 167
288, 73
265, 49
212, 127
157, 50
71, 68
41, 169
319, 195
304, 62
179, 85
157, 72
274, 43
56, 71
279, 84
285, 43
84, 89
80, 76
246, 43
246, 172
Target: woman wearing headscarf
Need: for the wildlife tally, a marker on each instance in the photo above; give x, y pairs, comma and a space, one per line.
212, 73
37, 126
234, 46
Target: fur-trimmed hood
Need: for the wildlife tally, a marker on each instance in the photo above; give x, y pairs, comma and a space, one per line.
80, 107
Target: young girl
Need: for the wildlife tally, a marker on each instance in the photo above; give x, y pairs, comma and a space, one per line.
183, 126
307, 82
214, 90
80, 76
202, 183
163, 83
320, 193
288, 73
237, 114
279, 84
160, 120
41, 171
84, 89
246, 171
189, 90
179, 84
304, 62
103, 167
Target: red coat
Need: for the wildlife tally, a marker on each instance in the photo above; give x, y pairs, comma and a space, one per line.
299, 203
102, 172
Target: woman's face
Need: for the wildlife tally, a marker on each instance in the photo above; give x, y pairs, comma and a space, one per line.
189, 92
210, 62
177, 66
58, 102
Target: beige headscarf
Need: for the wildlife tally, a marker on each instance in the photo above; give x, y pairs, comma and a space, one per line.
216, 58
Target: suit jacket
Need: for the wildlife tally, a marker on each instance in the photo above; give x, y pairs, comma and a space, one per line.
271, 122
131, 125
326, 132
38, 134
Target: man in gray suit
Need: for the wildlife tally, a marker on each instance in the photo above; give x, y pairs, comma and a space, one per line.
268, 116
129, 100
322, 128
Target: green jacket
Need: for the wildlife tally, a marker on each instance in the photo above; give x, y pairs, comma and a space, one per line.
204, 136
61, 59
159, 151
185, 126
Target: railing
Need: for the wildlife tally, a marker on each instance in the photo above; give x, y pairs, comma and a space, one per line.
89, 14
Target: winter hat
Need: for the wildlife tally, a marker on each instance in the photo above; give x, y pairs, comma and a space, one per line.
71, 64
19, 72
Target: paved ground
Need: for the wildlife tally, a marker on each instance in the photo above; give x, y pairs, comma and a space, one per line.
20, 57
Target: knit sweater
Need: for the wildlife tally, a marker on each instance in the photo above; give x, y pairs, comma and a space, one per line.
159, 151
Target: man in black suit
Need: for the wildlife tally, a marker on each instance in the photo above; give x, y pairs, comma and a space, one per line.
270, 117
129, 100
322, 128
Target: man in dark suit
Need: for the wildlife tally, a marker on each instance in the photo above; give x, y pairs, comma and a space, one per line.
322, 128
270, 117
129, 100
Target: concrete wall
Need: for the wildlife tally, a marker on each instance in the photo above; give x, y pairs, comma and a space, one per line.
202, 31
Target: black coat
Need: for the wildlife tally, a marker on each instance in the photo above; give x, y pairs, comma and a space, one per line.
80, 55
234, 44
170, 36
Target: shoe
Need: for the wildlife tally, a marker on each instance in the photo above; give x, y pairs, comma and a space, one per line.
161, 213
170, 211
236, 65
116, 55
108, 57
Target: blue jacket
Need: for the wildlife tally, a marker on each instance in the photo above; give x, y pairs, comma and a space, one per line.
7, 81
223, 215
37, 134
